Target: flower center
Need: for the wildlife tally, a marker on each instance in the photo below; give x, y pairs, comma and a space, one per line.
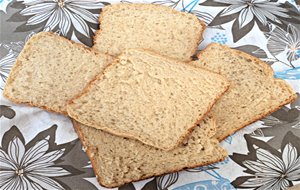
249, 3
293, 48
61, 3
282, 176
20, 172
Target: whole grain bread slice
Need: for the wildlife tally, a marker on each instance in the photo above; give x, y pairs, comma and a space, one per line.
117, 160
151, 27
253, 93
148, 97
51, 70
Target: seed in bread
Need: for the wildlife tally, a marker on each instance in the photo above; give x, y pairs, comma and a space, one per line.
148, 97
151, 27
51, 70
117, 160
253, 93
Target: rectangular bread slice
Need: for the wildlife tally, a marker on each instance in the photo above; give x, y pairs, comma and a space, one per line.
151, 27
117, 160
253, 93
148, 97
51, 70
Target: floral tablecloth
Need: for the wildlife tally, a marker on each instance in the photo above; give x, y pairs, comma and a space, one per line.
40, 150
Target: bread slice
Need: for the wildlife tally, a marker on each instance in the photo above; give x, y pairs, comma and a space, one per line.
117, 160
151, 27
148, 97
253, 93
51, 70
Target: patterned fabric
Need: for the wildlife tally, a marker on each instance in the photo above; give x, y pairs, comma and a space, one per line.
40, 150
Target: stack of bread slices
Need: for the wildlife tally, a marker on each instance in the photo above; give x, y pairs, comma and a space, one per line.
139, 104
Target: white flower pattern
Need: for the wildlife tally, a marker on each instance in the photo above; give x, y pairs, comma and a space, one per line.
248, 9
6, 62
58, 16
62, 15
285, 41
272, 172
245, 14
30, 169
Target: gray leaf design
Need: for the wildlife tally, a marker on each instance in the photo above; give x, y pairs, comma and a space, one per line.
265, 165
207, 18
246, 13
169, 3
253, 50
166, 181
7, 111
79, 17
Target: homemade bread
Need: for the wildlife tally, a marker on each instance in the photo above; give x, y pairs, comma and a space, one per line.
148, 97
151, 27
51, 70
117, 160
253, 92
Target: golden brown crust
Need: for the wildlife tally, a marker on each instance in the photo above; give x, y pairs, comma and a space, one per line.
291, 99
267, 68
18, 64
191, 129
89, 152
269, 72
33, 105
109, 130
200, 38
199, 35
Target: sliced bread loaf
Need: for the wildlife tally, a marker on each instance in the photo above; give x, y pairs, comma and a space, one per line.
117, 160
146, 26
253, 93
51, 70
148, 97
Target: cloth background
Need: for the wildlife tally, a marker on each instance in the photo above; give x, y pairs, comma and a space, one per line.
264, 155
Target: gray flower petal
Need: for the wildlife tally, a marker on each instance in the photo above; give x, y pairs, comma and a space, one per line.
53, 20
50, 171
45, 182
16, 150
87, 4
65, 22
86, 15
40, 8
80, 24
245, 17
38, 18
232, 9
35, 152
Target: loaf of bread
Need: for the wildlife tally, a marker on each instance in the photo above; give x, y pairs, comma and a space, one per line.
51, 70
253, 93
148, 97
117, 160
151, 27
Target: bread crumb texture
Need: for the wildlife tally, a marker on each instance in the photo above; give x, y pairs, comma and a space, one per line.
51, 70
253, 91
148, 97
151, 27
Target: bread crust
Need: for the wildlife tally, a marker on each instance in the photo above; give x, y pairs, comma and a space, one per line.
267, 69
198, 38
89, 153
107, 129
18, 64
289, 100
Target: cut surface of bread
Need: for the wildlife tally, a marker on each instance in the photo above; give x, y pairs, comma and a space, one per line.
51, 70
151, 27
253, 92
148, 97
117, 160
